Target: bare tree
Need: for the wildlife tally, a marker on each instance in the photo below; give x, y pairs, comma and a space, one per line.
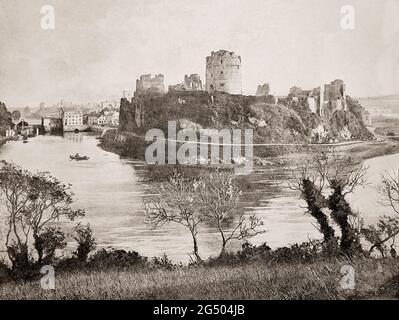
220, 196
177, 204
389, 190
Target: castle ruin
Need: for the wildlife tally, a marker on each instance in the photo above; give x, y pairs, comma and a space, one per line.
223, 72
263, 90
148, 84
323, 100
334, 93
191, 83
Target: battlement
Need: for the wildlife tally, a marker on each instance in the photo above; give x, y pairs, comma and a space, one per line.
222, 57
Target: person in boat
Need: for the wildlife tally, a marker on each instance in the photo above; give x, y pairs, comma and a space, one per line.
77, 156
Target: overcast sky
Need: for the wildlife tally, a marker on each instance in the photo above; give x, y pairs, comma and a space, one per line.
100, 47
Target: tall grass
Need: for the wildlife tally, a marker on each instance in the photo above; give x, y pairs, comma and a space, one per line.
254, 281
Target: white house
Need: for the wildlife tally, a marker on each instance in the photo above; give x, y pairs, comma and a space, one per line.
101, 120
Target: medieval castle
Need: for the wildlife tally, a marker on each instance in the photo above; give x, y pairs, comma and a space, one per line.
223, 74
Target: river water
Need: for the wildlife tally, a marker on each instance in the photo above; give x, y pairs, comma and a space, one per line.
110, 189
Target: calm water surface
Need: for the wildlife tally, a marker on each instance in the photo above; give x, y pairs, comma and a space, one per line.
111, 190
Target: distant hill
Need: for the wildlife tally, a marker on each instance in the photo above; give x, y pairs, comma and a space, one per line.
387, 97
381, 102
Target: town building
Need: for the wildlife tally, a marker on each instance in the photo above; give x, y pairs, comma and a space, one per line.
101, 120
92, 120
223, 72
55, 124
73, 121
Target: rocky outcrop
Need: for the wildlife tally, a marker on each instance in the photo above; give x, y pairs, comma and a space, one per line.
346, 126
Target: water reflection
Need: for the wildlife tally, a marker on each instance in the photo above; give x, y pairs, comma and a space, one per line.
74, 137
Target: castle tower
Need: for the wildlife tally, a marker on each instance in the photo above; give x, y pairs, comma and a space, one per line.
223, 72
322, 104
344, 98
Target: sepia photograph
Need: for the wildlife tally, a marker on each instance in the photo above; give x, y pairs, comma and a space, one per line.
170, 150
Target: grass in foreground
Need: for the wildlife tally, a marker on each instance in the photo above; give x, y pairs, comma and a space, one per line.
374, 278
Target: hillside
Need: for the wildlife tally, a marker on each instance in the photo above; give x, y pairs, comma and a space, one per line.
391, 102
285, 122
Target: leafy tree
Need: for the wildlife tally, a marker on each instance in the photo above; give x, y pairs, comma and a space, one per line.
16, 115
5, 117
33, 201
47, 242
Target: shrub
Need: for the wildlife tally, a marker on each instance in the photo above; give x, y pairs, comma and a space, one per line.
23, 265
163, 263
116, 259
251, 252
86, 242
4, 271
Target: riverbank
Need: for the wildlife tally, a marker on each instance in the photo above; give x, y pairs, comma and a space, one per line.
374, 279
130, 145
369, 150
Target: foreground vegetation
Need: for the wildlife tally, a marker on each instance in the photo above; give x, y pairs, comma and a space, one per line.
374, 279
